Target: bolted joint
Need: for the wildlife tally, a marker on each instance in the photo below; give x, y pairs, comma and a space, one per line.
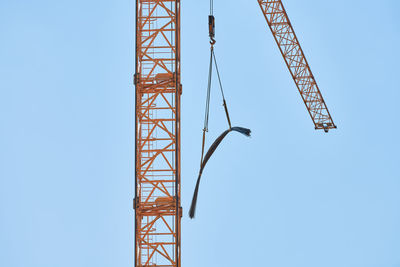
136, 78
134, 203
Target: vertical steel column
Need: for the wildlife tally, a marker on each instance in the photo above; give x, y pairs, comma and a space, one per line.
157, 148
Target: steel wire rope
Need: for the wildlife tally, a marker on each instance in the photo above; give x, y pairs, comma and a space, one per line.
217, 142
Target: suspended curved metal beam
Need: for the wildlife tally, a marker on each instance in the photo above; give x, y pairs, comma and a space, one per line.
208, 155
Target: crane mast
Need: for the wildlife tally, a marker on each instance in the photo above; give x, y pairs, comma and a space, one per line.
157, 134
282, 30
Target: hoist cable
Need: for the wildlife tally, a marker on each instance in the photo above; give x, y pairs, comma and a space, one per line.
207, 110
222, 91
217, 141
219, 77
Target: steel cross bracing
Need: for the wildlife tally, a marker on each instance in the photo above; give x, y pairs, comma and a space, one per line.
285, 37
157, 173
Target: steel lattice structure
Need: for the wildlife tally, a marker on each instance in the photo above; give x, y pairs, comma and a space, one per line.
157, 173
157, 201
282, 30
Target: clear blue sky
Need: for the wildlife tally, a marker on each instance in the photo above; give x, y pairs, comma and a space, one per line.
287, 197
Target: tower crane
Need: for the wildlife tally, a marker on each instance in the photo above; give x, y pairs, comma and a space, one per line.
157, 79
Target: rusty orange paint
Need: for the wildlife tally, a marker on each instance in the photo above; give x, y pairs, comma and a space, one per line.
157, 149
282, 30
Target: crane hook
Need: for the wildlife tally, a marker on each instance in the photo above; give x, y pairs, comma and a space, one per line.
211, 29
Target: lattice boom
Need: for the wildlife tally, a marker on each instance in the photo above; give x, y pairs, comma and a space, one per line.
282, 30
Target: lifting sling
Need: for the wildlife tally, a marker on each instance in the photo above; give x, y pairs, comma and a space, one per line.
213, 147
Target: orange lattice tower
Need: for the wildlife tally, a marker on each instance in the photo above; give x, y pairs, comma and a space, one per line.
157, 154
